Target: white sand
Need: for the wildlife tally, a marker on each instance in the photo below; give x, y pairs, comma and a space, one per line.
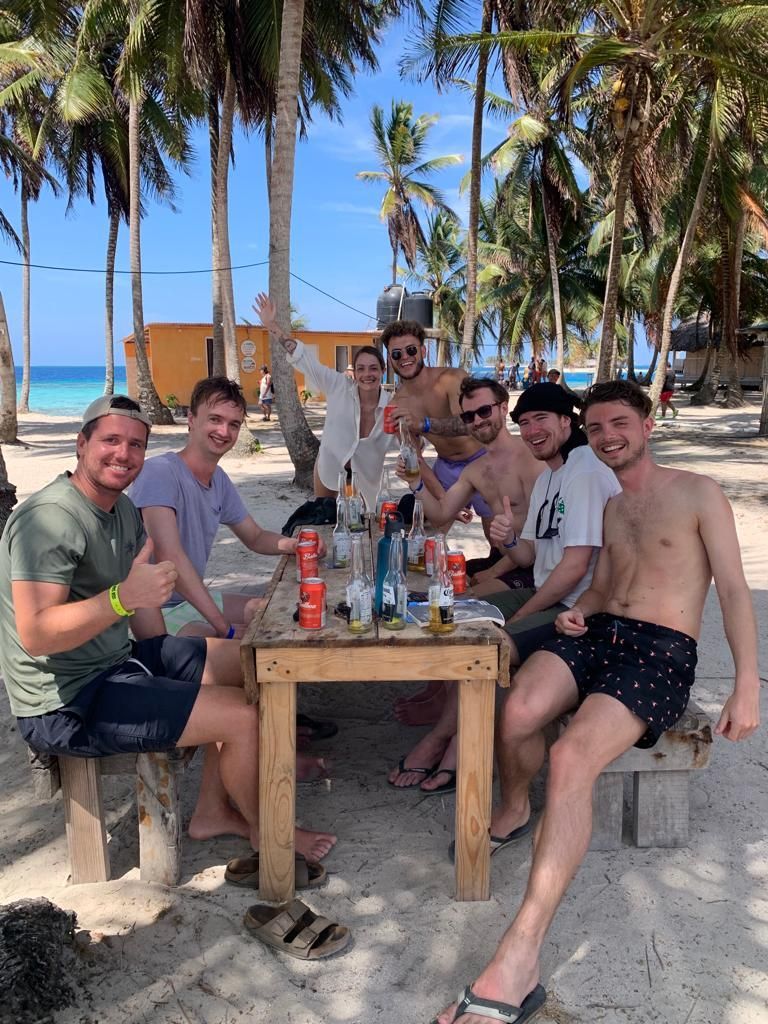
675, 936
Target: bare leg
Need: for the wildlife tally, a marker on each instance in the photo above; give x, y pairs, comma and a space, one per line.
221, 715
431, 748
321, 491
423, 708
601, 730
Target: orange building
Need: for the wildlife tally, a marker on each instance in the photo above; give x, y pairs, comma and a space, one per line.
181, 354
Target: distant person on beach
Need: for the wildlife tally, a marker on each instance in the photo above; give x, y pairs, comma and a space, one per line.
266, 393
514, 376
75, 570
626, 661
560, 540
553, 376
353, 434
665, 398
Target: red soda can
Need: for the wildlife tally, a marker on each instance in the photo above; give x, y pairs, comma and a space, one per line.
457, 570
429, 556
390, 427
307, 536
306, 559
312, 603
386, 508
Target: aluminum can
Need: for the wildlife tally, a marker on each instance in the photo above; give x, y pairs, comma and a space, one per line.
307, 536
457, 570
390, 427
306, 559
312, 599
429, 556
386, 508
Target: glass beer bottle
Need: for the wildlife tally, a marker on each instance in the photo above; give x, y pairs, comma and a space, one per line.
441, 592
394, 595
416, 539
359, 591
355, 508
341, 543
408, 453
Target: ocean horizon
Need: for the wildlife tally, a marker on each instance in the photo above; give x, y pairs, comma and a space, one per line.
67, 390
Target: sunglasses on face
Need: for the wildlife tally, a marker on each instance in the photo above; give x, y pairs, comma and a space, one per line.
396, 354
482, 413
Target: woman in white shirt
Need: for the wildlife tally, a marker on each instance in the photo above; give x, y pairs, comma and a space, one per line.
354, 420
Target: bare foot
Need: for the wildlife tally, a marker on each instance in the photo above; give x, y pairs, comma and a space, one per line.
425, 755
310, 769
505, 819
446, 772
314, 845
511, 982
227, 821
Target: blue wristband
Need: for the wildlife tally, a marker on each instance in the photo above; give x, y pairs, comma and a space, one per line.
512, 545
415, 490
427, 425
230, 633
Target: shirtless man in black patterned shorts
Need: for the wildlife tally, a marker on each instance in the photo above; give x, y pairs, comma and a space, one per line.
626, 660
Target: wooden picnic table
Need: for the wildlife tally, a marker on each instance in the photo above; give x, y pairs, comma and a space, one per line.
277, 655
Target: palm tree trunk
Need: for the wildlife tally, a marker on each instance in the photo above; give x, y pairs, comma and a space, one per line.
301, 443
147, 394
216, 311
631, 349
26, 347
109, 303
231, 362
677, 275
611, 300
9, 426
470, 311
735, 394
7, 493
555, 278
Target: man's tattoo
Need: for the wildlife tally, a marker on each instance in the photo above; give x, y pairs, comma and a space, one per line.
449, 426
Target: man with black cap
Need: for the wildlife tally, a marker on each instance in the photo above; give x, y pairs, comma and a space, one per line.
75, 569
561, 538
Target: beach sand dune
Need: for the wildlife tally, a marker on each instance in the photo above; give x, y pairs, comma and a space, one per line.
644, 935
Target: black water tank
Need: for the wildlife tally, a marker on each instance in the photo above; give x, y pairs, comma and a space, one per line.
388, 305
418, 306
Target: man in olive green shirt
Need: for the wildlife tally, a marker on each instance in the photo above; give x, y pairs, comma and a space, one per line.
75, 566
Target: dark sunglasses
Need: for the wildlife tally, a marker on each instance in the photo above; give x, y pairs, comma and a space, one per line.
482, 413
396, 354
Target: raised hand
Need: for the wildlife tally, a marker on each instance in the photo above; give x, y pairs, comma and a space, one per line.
148, 585
502, 529
266, 311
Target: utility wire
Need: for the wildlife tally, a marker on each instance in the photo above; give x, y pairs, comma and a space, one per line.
206, 270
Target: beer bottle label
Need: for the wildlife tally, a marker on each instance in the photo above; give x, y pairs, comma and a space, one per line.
342, 548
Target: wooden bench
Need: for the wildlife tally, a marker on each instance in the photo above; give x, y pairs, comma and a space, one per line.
157, 793
660, 790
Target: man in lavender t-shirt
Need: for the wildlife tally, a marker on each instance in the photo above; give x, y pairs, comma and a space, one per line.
184, 497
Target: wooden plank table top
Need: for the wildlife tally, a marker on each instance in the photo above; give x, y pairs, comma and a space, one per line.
277, 655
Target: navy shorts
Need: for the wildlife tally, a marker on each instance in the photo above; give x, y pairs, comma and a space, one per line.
648, 668
140, 705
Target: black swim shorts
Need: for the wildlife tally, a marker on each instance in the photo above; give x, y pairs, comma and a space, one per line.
141, 705
648, 668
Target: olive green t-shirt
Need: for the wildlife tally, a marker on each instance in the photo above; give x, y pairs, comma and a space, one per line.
59, 536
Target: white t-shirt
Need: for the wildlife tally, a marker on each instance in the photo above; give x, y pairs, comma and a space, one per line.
341, 439
566, 510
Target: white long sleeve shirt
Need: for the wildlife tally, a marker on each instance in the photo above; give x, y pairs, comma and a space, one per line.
341, 439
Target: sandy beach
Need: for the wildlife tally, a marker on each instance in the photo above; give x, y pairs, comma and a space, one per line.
678, 936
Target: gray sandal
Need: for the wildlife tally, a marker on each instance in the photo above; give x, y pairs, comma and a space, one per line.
244, 871
296, 930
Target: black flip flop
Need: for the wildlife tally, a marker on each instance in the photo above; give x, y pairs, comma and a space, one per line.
446, 787
498, 842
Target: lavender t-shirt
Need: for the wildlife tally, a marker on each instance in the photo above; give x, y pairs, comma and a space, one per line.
167, 481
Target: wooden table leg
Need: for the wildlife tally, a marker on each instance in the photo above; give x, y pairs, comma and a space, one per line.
474, 781
277, 790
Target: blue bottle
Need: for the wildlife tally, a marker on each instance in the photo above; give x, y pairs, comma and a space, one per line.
393, 523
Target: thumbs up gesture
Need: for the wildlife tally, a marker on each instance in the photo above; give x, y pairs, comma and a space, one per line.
148, 585
502, 530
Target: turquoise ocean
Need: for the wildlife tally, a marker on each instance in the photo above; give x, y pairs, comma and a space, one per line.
67, 390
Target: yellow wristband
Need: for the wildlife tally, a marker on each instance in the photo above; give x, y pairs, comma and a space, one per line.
114, 600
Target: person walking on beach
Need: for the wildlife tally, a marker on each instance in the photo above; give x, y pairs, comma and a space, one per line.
353, 434
266, 393
665, 398
626, 660
75, 569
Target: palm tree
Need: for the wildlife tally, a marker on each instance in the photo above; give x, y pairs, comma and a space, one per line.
400, 143
442, 268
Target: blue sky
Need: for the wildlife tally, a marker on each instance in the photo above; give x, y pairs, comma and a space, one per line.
338, 242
